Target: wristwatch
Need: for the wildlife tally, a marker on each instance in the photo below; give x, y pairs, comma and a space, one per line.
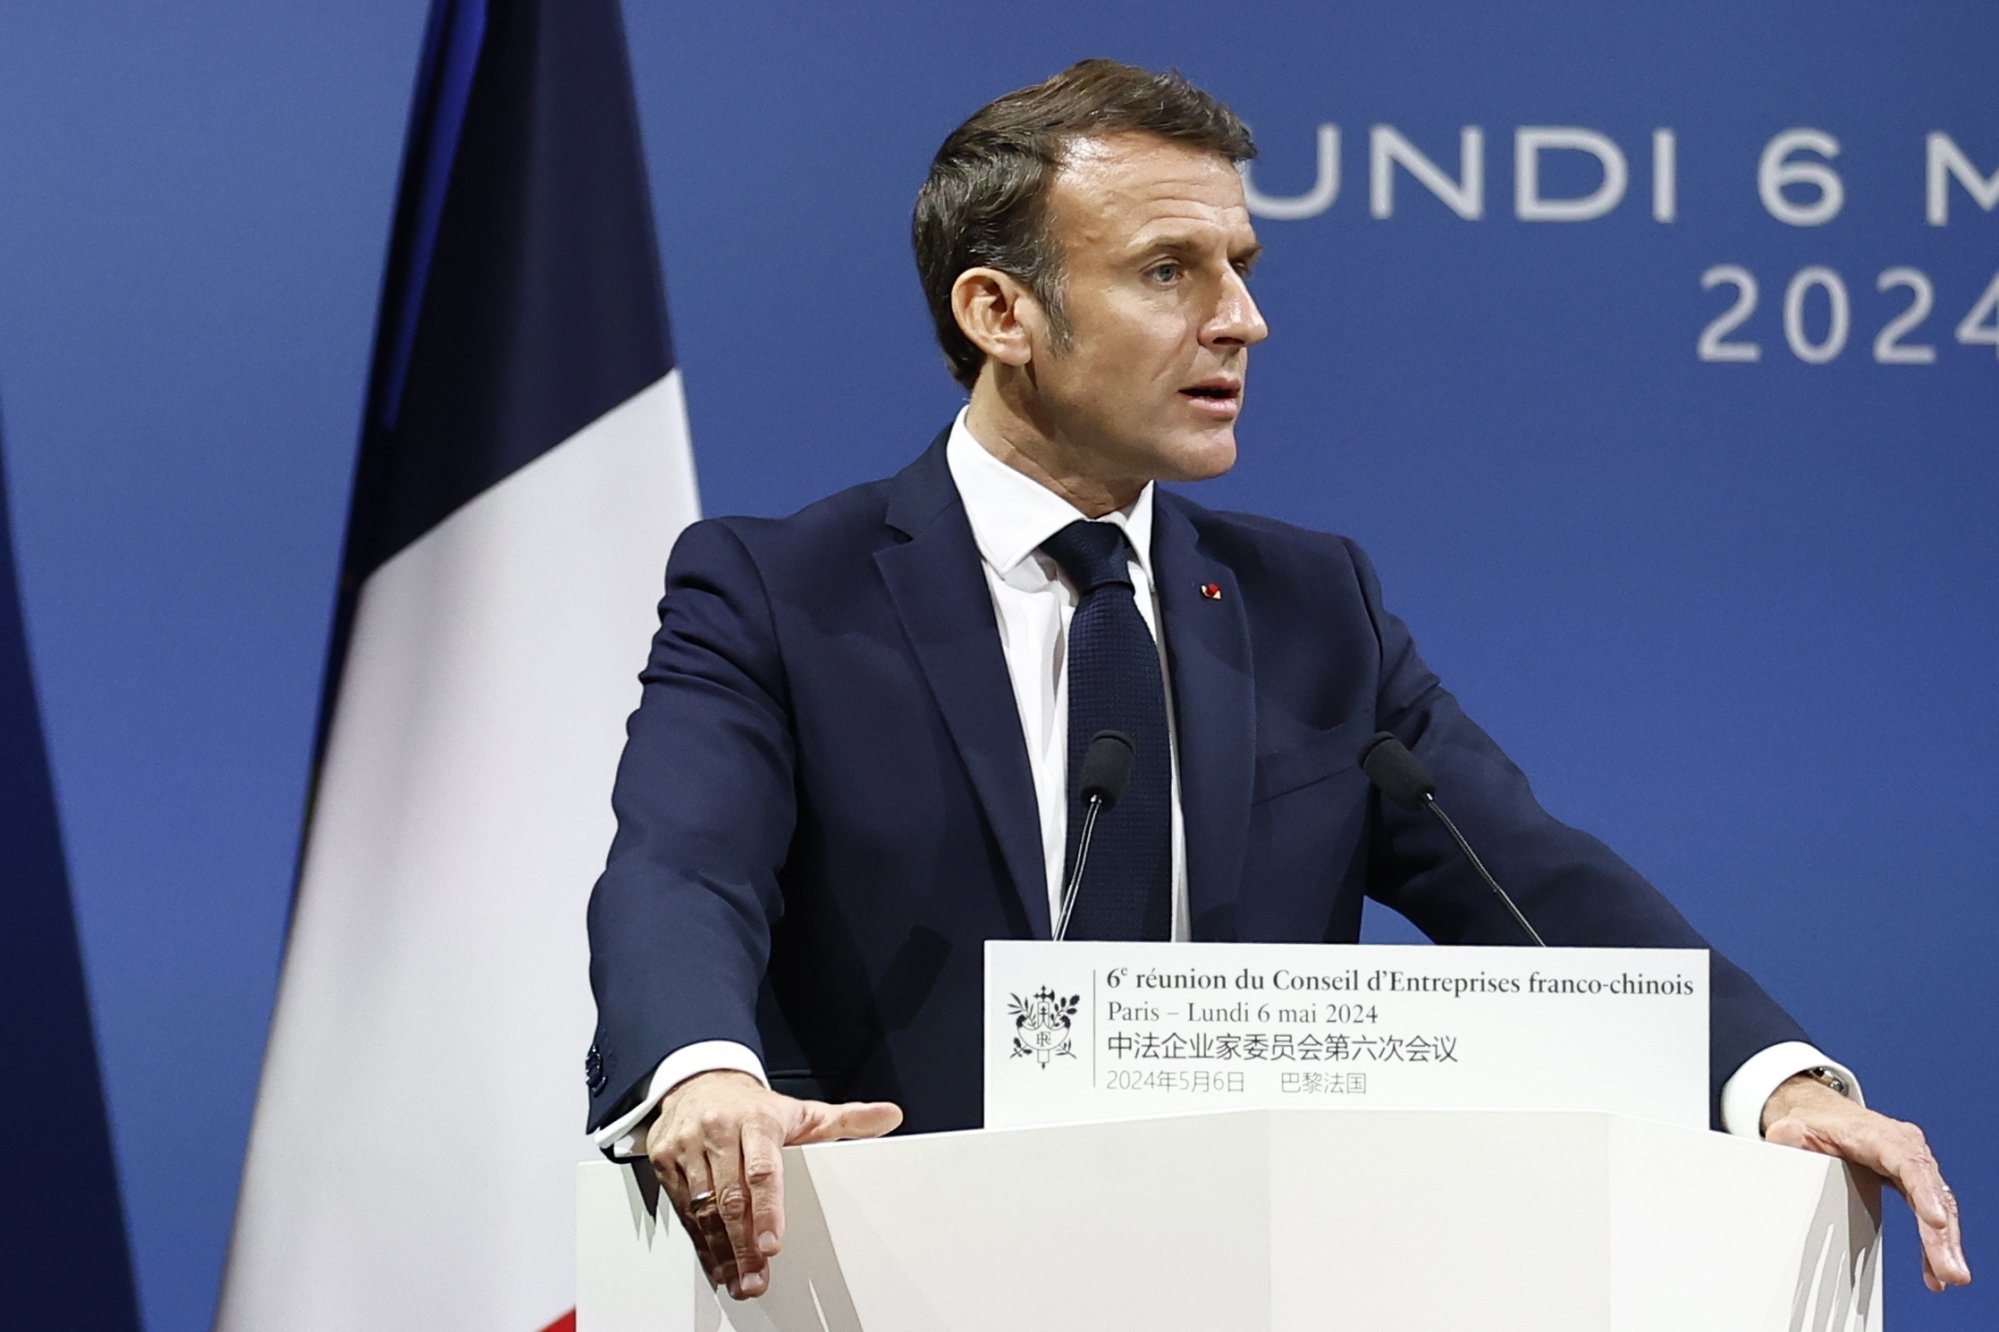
1830, 1079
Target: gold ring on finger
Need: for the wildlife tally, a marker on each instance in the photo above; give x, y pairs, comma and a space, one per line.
702, 1202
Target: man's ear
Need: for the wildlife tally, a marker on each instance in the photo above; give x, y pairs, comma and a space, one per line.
998, 314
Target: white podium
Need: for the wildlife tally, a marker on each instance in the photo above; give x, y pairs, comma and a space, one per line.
1283, 1219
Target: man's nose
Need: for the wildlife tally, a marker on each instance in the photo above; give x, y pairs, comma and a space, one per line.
1236, 321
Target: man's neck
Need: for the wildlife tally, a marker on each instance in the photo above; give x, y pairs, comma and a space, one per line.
1010, 434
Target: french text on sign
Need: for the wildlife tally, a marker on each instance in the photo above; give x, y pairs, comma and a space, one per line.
1077, 1032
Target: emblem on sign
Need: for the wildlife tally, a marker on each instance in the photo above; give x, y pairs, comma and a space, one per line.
1041, 1025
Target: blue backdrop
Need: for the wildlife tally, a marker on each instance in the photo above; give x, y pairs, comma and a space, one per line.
1734, 614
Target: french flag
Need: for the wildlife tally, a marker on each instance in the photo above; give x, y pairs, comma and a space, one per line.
524, 470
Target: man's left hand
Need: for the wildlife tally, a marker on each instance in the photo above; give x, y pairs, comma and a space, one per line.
1804, 1112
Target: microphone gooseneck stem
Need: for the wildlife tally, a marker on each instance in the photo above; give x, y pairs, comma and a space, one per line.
1483, 873
1076, 874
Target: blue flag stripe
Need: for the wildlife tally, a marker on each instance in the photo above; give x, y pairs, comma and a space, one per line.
68, 1263
450, 55
527, 324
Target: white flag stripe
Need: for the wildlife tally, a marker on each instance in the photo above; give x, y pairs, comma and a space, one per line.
421, 1107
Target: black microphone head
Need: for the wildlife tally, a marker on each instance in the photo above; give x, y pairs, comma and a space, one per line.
1107, 767
1396, 772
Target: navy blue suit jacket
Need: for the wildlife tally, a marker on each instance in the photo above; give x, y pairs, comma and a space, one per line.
824, 806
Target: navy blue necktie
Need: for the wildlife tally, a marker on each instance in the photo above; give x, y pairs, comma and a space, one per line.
1114, 684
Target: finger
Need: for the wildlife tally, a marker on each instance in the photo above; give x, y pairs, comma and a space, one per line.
1956, 1270
820, 1122
763, 1171
666, 1151
1943, 1241
1913, 1170
672, 1180
733, 1208
703, 1219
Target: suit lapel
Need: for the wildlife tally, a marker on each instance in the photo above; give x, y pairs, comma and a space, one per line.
940, 594
1214, 713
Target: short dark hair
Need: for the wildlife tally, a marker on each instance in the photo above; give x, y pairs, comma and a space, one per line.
984, 204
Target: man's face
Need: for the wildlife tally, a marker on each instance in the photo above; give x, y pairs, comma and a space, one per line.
1155, 245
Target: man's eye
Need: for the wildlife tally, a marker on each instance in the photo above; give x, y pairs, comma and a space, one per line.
1165, 271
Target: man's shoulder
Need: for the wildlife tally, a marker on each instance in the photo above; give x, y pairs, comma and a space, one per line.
860, 518
859, 507
847, 524
1227, 532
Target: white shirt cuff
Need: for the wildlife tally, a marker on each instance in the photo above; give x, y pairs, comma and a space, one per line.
1749, 1088
620, 1137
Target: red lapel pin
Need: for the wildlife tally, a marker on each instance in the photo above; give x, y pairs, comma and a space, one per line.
1212, 591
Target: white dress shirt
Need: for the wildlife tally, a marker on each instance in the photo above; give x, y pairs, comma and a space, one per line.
1010, 516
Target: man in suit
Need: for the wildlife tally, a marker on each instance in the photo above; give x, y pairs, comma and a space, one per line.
862, 725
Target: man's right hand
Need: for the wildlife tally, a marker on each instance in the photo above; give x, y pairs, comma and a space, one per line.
715, 1146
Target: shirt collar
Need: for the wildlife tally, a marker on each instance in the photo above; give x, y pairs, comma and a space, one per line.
1012, 514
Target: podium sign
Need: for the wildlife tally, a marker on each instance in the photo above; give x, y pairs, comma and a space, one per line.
1084, 1032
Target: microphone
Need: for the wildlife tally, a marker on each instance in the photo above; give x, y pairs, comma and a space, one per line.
1401, 776
1106, 772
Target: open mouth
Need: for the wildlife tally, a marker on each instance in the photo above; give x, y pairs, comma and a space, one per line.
1221, 398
